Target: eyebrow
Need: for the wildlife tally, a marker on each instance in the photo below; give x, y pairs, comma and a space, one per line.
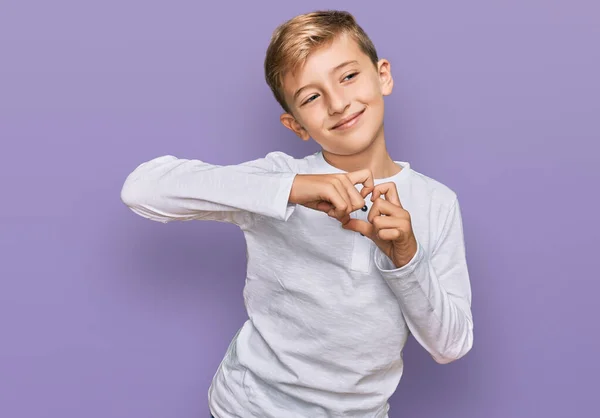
343, 64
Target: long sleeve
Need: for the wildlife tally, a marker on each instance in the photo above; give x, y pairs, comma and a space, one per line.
434, 292
167, 188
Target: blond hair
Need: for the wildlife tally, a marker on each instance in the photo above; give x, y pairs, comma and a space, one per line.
294, 40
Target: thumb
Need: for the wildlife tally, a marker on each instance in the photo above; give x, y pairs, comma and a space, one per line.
366, 229
324, 206
360, 226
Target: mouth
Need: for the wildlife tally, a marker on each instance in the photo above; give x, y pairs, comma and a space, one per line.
349, 121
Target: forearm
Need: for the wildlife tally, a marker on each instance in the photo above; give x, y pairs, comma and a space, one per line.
441, 322
167, 188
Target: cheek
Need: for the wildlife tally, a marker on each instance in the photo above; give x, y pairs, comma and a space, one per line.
312, 118
370, 92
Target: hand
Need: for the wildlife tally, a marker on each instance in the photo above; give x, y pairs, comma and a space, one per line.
389, 225
333, 194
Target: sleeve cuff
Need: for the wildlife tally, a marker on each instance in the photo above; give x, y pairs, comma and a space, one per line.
284, 207
388, 269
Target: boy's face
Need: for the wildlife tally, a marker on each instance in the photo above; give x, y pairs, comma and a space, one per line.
337, 82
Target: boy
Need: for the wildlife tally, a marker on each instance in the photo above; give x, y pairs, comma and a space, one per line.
348, 250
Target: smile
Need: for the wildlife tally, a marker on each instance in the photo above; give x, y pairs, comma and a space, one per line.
349, 121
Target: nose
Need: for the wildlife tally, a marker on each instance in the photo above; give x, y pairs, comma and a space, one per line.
338, 102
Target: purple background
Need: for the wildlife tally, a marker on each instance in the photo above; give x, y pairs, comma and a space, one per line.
106, 314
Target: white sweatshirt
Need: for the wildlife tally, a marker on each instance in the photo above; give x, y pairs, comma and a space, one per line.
329, 314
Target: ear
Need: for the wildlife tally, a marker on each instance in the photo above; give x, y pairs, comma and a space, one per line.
292, 124
386, 82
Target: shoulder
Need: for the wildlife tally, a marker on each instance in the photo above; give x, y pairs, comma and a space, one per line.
286, 162
431, 195
434, 188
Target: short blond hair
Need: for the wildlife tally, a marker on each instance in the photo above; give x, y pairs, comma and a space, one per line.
294, 40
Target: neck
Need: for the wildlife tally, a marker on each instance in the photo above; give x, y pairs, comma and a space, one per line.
375, 157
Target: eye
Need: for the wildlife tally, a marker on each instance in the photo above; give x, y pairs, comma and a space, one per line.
310, 99
351, 76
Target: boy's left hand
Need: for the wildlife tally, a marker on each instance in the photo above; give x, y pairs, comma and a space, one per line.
393, 232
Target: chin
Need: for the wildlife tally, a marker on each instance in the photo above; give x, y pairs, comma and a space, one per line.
348, 146
351, 144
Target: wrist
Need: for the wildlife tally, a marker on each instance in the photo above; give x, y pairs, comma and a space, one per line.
293, 197
405, 253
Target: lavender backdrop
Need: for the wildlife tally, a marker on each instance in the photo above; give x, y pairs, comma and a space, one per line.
105, 314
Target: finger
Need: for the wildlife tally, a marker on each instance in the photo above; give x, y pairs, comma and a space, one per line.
383, 207
345, 220
356, 199
342, 211
390, 192
364, 177
391, 234
365, 229
331, 200
382, 223
359, 226
375, 211
334, 194
324, 206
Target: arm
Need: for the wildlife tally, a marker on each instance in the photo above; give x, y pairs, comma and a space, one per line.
434, 292
166, 188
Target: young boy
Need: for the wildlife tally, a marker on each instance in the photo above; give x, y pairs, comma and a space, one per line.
348, 250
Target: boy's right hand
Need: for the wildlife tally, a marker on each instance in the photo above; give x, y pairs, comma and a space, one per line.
333, 194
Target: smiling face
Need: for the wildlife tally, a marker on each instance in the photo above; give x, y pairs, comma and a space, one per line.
338, 83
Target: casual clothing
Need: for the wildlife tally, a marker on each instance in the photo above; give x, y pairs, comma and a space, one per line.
329, 313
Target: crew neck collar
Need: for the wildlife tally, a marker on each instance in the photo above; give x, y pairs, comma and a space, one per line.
402, 174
